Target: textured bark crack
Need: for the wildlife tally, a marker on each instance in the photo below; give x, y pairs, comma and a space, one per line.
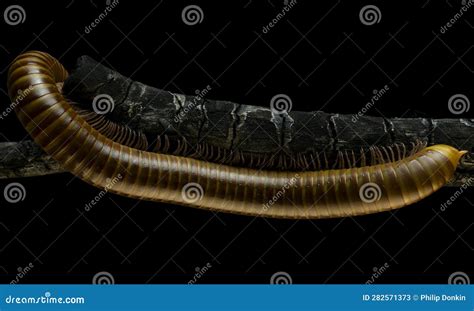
204, 118
332, 131
130, 107
233, 128
389, 129
287, 136
178, 101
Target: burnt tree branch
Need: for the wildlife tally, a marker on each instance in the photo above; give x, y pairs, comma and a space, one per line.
232, 126
246, 128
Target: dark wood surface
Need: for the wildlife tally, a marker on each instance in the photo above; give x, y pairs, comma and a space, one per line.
236, 127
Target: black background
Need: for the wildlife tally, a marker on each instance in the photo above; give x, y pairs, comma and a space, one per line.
324, 58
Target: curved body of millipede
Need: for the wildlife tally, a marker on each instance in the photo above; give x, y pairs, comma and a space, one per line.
80, 148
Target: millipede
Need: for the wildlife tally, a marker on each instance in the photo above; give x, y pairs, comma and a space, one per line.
97, 150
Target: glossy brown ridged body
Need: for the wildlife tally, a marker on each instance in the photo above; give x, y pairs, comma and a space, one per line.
82, 150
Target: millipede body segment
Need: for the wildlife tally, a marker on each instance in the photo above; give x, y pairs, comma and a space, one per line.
81, 149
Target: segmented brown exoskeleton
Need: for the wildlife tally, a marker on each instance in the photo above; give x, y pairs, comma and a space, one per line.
80, 148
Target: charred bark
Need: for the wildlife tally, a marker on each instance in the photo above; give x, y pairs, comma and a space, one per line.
25, 159
238, 130
244, 135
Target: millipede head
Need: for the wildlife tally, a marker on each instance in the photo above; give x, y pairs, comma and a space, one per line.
453, 154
